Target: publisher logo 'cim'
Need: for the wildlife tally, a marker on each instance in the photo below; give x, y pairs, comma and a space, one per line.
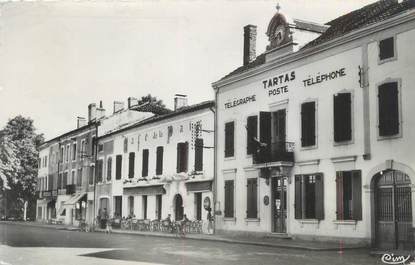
393, 260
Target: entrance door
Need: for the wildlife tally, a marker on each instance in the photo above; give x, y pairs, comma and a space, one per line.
178, 209
279, 204
393, 210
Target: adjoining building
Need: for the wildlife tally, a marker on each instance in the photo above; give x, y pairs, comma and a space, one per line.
315, 135
160, 165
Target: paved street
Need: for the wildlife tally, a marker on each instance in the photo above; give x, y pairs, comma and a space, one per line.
21, 244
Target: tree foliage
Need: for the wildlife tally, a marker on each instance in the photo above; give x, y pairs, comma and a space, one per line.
18, 165
151, 99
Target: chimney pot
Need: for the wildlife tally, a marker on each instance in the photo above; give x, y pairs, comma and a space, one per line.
250, 32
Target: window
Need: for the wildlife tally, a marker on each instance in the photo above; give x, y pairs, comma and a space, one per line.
342, 112
349, 195
83, 148
229, 139
100, 148
46, 161
93, 143
74, 152
91, 175
144, 169
130, 206
229, 196
386, 48
99, 170
252, 134
125, 145
65, 180
158, 206
159, 161
50, 182
388, 109
73, 177
68, 147
79, 177
198, 154
60, 181
118, 205
61, 154
144, 206
309, 200
131, 165
252, 201
109, 168
308, 124
198, 205
118, 166
182, 157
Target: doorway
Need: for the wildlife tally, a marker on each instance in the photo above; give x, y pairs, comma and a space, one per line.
178, 207
279, 204
393, 210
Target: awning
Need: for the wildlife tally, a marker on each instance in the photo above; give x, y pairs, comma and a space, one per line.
145, 190
75, 198
195, 186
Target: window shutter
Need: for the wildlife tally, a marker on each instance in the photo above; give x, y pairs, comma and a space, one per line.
252, 132
342, 114
178, 157
144, 170
199, 154
50, 182
298, 197
388, 109
185, 156
131, 165
251, 198
319, 197
118, 164
339, 195
265, 127
229, 198
357, 194
159, 161
109, 168
308, 124
229, 139
386, 48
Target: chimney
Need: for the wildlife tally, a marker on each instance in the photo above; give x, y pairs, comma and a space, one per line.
180, 101
249, 43
132, 102
118, 106
100, 111
80, 121
92, 112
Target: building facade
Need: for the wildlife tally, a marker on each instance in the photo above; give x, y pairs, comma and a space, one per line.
159, 165
314, 136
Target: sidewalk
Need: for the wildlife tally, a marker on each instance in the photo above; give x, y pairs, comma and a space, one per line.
240, 239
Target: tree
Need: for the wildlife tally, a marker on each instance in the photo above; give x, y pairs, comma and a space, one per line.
18, 165
151, 99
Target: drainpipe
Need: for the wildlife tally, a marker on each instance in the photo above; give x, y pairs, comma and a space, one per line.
215, 166
97, 123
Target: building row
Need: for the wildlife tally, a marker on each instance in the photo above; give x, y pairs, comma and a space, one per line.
311, 139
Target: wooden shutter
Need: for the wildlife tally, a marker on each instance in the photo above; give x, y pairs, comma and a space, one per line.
308, 124
144, 170
159, 161
50, 182
388, 109
229, 139
319, 197
252, 132
357, 195
99, 170
342, 115
252, 202
229, 198
298, 197
386, 48
199, 154
185, 156
118, 165
131, 165
178, 157
265, 127
109, 168
339, 196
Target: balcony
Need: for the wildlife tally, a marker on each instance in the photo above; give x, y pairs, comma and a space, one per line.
70, 189
276, 152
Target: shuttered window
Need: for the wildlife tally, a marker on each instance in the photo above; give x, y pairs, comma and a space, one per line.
252, 200
349, 195
118, 166
388, 109
144, 168
229, 139
308, 124
91, 175
265, 128
198, 154
79, 177
198, 205
65, 180
131, 165
386, 48
252, 133
109, 168
342, 115
159, 160
99, 170
182, 157
50, 182
309, 196
229, 198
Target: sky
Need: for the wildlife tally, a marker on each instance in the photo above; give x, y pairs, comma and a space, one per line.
56, 57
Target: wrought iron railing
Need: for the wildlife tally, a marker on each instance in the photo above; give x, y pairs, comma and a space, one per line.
275, 152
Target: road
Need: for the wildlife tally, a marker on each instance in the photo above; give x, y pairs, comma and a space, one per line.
22, 244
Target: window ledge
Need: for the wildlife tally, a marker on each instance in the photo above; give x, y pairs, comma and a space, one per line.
257, 220
342, 143
345, 222
306, 148
229, 158
229, 219
309, 221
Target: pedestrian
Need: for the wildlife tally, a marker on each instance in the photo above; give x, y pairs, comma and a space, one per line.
108, 229
210, 222
104, 217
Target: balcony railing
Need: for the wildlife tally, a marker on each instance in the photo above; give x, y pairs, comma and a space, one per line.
276, 152
70, 189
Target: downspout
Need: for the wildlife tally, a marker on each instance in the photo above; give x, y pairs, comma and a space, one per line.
95, 167
215, 166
